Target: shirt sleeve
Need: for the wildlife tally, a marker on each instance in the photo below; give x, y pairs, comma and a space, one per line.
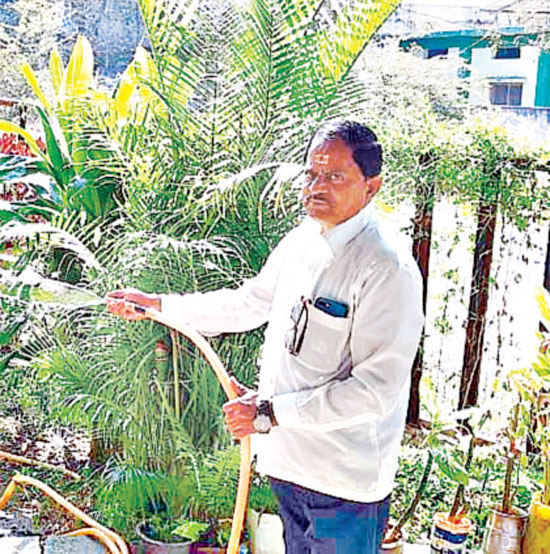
385, 333
229, 310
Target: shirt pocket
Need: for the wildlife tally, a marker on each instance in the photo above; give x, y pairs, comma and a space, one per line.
323, 341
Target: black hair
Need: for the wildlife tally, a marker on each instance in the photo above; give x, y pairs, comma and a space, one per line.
367, 152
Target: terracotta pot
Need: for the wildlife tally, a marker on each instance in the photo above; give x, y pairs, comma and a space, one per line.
150, 546
504, 533
537, 533
449, 537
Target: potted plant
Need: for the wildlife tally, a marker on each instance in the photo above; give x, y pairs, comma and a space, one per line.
537, 534
264, 524
191, 513
183, 536
506, 524
450, 531
161, 536
441, 434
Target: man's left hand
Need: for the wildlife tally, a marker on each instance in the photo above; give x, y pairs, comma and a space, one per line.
240, 414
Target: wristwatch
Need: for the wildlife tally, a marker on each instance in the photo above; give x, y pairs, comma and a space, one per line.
265, 419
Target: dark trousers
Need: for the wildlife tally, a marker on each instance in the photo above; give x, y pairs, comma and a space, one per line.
316, 523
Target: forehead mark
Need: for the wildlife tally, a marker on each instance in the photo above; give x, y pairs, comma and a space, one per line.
321, 158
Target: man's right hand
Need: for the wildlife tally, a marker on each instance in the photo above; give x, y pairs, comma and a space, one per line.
126, 303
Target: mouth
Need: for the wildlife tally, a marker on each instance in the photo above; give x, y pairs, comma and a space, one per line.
316, 200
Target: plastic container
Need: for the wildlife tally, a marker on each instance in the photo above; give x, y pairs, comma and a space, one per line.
537, 533
449, 536
504, 533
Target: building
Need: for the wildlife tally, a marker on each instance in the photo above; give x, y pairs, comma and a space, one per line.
419, 17
508, 68
502, 44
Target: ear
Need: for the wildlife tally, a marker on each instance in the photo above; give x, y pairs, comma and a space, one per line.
373, 185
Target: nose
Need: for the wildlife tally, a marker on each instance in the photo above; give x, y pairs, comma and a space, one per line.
315, 183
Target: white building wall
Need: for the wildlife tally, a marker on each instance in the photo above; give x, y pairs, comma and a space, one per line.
487, 70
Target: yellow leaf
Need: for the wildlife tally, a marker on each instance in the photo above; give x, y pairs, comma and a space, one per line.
33, 82
383, 206
56, 70
80, 71
543, 300
123, 96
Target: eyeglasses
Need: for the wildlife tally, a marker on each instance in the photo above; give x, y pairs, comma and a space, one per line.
295, 335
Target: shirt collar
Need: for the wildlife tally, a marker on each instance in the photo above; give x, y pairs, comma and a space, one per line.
341, 234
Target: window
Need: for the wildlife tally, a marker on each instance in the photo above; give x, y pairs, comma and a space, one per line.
507, 53
506, 94
433, 52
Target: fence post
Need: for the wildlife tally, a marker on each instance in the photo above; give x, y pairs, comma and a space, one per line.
479, 300
546, 281
422, 236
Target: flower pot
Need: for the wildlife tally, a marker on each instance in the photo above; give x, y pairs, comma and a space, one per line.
395, 547
449, 536
504, 533
537, 533
266, 533
150, 546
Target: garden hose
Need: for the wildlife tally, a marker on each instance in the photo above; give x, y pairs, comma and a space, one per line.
212, 358
109, 538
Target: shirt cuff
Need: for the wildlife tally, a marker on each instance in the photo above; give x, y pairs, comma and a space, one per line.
285, 409
181, 307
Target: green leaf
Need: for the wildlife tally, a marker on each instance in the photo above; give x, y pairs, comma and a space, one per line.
6, 216
191, 530
452, 469
60, 168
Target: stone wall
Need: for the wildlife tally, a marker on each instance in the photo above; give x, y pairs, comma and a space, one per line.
113, 27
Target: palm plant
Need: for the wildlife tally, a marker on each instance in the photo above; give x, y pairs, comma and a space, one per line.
243, 85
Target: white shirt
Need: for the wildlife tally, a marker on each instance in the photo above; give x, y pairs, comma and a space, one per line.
341, 401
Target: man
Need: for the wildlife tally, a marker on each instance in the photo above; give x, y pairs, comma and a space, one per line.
343, 306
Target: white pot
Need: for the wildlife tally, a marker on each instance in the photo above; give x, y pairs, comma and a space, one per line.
266, 533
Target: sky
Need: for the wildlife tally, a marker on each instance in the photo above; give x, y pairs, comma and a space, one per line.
476, 3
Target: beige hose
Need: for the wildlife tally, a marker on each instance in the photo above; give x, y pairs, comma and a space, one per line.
221, 373
104, 532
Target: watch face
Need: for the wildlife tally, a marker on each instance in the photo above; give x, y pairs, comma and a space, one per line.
262, 423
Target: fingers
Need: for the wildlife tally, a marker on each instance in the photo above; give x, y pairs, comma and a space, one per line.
131, 304
126, 310
239, 416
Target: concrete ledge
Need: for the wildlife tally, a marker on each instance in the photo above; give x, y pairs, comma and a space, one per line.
20, 545
72, 545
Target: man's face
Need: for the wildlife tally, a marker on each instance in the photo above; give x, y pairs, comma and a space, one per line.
335, 188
